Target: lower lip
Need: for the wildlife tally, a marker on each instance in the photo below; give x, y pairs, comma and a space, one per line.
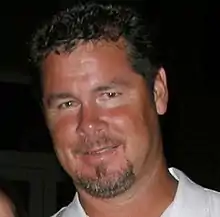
100, 156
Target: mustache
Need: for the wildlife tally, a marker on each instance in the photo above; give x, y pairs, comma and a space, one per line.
88, 144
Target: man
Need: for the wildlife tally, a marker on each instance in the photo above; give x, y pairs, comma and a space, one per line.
102, 95
7, 208
11, 204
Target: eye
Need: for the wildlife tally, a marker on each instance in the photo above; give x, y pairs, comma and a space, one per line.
67, 104
110, 95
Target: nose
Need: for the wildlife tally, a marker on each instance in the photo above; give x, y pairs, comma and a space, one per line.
90, 121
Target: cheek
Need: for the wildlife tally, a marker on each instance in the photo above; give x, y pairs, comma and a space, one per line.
64, 141
63, 131
134, 125
130, 120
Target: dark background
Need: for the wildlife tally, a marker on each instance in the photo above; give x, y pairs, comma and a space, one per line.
187, 35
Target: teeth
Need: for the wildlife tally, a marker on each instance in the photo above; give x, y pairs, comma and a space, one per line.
99, 151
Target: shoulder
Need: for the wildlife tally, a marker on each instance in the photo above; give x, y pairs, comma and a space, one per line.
194, 197
213, 200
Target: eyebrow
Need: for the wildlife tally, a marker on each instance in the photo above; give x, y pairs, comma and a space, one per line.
112, 84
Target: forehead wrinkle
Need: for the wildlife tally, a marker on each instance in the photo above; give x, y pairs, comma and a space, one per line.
88, 64
81, 65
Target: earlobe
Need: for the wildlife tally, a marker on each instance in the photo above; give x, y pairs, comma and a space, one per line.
161, 92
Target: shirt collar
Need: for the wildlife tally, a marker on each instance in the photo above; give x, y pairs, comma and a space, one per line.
190, 198
74, 208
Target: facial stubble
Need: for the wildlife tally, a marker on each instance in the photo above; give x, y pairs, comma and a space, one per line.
106, 185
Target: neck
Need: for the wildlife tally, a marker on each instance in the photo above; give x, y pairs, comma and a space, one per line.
149, 196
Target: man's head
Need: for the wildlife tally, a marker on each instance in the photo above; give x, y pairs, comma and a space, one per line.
101, 96
96, 22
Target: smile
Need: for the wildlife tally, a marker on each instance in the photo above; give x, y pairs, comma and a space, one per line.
101, 150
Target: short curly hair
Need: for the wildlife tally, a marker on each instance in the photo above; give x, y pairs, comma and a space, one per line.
94, 22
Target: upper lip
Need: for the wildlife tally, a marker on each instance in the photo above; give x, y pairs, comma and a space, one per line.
100, 150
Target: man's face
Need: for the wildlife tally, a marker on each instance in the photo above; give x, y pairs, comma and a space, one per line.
102, 118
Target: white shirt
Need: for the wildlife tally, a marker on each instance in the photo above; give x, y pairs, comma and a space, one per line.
191, 200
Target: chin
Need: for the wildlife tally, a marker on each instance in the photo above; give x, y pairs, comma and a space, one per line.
104, 183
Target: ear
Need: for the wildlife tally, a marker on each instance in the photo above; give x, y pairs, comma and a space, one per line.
161, 92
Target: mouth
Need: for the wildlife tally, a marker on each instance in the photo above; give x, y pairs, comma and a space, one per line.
102, 150
98, 155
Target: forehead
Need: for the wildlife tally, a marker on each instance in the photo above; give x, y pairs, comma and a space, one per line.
88, 57
88, 67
